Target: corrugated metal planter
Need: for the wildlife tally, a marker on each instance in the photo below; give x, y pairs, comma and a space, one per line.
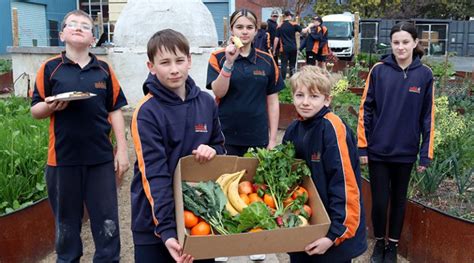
27, 235
429, 235
287, 115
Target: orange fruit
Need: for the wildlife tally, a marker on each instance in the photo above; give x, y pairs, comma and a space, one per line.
245, 187
257, 229
287, 201
245, 198
190, 219
300, 191
201, 229
268, 200
255, 198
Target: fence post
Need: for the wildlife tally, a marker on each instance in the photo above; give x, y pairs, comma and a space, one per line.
356, 34
16, 40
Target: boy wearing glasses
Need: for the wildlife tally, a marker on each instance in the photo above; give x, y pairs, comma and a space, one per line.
81, 166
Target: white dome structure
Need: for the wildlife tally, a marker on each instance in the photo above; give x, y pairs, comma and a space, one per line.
140, 19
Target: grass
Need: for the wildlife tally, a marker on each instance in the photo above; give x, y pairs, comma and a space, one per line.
23, 150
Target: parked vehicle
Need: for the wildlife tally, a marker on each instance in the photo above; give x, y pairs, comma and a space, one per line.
341, 34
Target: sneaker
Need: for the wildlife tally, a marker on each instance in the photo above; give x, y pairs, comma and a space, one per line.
259, 257
221, 259
378, 253
390, 253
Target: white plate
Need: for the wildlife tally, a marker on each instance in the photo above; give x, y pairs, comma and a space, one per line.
73, 95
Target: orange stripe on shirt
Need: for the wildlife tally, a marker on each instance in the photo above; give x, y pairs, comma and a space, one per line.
352, 194
40, 76
361, 137
140, 159
432, 128
52, 142
115, 85
213, 60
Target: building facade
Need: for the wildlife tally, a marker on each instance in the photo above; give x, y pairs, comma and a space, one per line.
39, 21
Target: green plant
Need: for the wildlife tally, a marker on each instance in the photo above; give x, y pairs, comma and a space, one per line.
449, 125
428, 181
285, 96
5, 65
23, 148
352, 73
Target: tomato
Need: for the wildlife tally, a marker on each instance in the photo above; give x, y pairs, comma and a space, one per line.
255, 198
300, 191
245, 198
190, 219
307, 209
245, 187
268, 200
201, 229
257, 187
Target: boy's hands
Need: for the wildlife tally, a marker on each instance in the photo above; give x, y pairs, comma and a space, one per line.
121, 165
319, 246
56, 105
204, 153
175, 250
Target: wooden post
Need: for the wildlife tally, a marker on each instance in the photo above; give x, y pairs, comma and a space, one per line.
226, 30
356, 34
100, 22
16, 39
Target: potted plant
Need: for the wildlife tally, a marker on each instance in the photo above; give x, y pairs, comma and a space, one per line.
25, 215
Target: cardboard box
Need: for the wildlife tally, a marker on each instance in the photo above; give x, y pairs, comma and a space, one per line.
264, 242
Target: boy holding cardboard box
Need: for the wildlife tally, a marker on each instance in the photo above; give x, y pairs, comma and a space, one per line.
174, 119
329, 148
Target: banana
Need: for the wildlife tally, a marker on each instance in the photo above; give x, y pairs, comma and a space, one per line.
233, 193
224, 181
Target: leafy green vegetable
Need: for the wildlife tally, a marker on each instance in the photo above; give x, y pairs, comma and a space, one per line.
207, 200
256, 214
280, 171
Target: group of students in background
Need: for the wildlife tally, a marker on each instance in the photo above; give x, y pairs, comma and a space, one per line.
280, 39
176, 118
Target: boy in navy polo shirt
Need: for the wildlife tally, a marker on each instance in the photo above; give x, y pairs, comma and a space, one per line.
174, 119
81, 163
329, 148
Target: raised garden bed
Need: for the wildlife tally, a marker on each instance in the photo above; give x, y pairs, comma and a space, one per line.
429, 235
27, 234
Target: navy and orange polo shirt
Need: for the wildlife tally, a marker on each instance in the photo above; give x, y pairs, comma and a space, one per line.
286, 33
79, 134
243, 110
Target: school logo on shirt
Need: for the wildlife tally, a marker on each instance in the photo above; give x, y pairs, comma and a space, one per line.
200, 128
414, 89
259, 72
315, 157
100, 85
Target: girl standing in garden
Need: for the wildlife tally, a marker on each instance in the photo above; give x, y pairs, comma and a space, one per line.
397, 108
246, 82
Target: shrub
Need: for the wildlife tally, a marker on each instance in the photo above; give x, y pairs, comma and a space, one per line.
5, 65
23, 149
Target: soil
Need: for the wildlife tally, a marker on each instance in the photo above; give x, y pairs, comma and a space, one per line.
447, 200
126, 234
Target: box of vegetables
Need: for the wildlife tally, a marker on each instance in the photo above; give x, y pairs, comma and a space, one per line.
263, 203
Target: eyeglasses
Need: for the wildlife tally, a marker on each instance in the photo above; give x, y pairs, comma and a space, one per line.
75, 26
